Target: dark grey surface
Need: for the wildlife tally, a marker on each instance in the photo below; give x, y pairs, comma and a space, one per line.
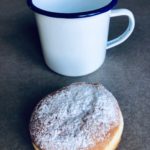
25, 79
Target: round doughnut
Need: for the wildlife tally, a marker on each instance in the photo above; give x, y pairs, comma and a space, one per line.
80, 116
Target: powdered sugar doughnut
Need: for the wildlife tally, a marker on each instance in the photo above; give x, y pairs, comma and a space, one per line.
80, 116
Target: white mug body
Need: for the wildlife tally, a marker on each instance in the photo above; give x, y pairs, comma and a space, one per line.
74, 34
74, 47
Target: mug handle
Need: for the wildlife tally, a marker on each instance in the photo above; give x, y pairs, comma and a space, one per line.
129, 30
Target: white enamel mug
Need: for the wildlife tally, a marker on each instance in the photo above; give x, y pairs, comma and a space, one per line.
74, 33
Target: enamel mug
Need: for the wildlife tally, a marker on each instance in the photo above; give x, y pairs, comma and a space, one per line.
74, 33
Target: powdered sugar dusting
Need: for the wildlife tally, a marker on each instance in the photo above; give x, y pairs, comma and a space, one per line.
73, 117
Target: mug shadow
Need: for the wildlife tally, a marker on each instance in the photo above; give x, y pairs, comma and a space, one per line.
24, 39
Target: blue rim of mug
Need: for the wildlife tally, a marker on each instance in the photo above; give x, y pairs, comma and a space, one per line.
72, 15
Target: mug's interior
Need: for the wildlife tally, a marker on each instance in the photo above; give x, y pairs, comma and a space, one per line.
70, 6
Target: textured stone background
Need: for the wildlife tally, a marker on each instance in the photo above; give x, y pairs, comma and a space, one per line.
25, 79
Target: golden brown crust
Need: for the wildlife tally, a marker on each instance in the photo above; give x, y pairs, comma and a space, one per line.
112, 139
35, 147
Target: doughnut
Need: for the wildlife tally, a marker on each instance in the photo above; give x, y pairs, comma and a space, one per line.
81, 116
